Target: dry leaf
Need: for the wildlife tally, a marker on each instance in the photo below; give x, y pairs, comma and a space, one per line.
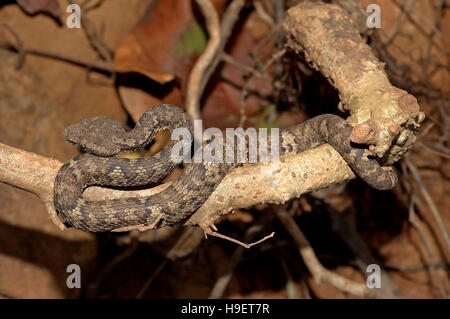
154, 47
41, 6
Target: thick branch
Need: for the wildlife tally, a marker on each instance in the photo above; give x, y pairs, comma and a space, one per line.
242, 187
30, 172
381, 113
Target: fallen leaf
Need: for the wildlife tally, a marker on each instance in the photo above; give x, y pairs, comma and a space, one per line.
41, 6
157, 47
163, 47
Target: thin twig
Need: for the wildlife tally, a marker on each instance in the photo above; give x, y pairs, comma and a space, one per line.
247, 69
437, 149
233, 240
150, 279
172, 254
196, 80
95, 38
18, 46
438, 265
320, 273
262, 13
222, 282
91, 64
418, 227
411, 9
245, 89
344, 224
291, 289
94, 286
211, 57
23, 50
434, 210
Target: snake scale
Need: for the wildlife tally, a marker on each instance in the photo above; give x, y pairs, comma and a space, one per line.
102, 138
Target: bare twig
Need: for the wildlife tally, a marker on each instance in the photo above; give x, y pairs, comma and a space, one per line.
304, 288
438, 265
94, 286
18, 46
260, 73
196, 80
320, 273
245, 68
418, 227
30, 172
150, 279
208, 61
291, 289
395, 30
437, 149
411, 9
104, 65
94, 37
434, 210
23, 50
262, 13
344, 224
233, 240
178, 250
91, 64
222, 282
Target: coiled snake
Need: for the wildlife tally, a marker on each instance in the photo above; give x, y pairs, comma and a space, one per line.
102, 138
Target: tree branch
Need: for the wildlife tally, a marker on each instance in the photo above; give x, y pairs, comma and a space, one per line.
384, 117
242, 187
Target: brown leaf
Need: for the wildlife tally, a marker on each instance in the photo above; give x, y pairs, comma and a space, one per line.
150, 48
162, 46
37, 6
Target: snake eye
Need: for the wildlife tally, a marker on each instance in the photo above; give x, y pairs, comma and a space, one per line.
67, 224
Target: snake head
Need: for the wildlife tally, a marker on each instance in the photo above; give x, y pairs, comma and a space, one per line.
97, 136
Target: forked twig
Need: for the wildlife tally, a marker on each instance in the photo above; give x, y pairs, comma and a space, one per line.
236, 241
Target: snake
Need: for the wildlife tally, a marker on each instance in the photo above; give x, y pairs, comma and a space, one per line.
101, 139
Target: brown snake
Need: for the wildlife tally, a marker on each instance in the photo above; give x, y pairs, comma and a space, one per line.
102, 138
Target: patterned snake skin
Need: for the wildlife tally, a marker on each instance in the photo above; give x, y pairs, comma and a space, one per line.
102, 138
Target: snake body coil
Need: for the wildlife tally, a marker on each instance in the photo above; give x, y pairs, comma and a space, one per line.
102, 138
